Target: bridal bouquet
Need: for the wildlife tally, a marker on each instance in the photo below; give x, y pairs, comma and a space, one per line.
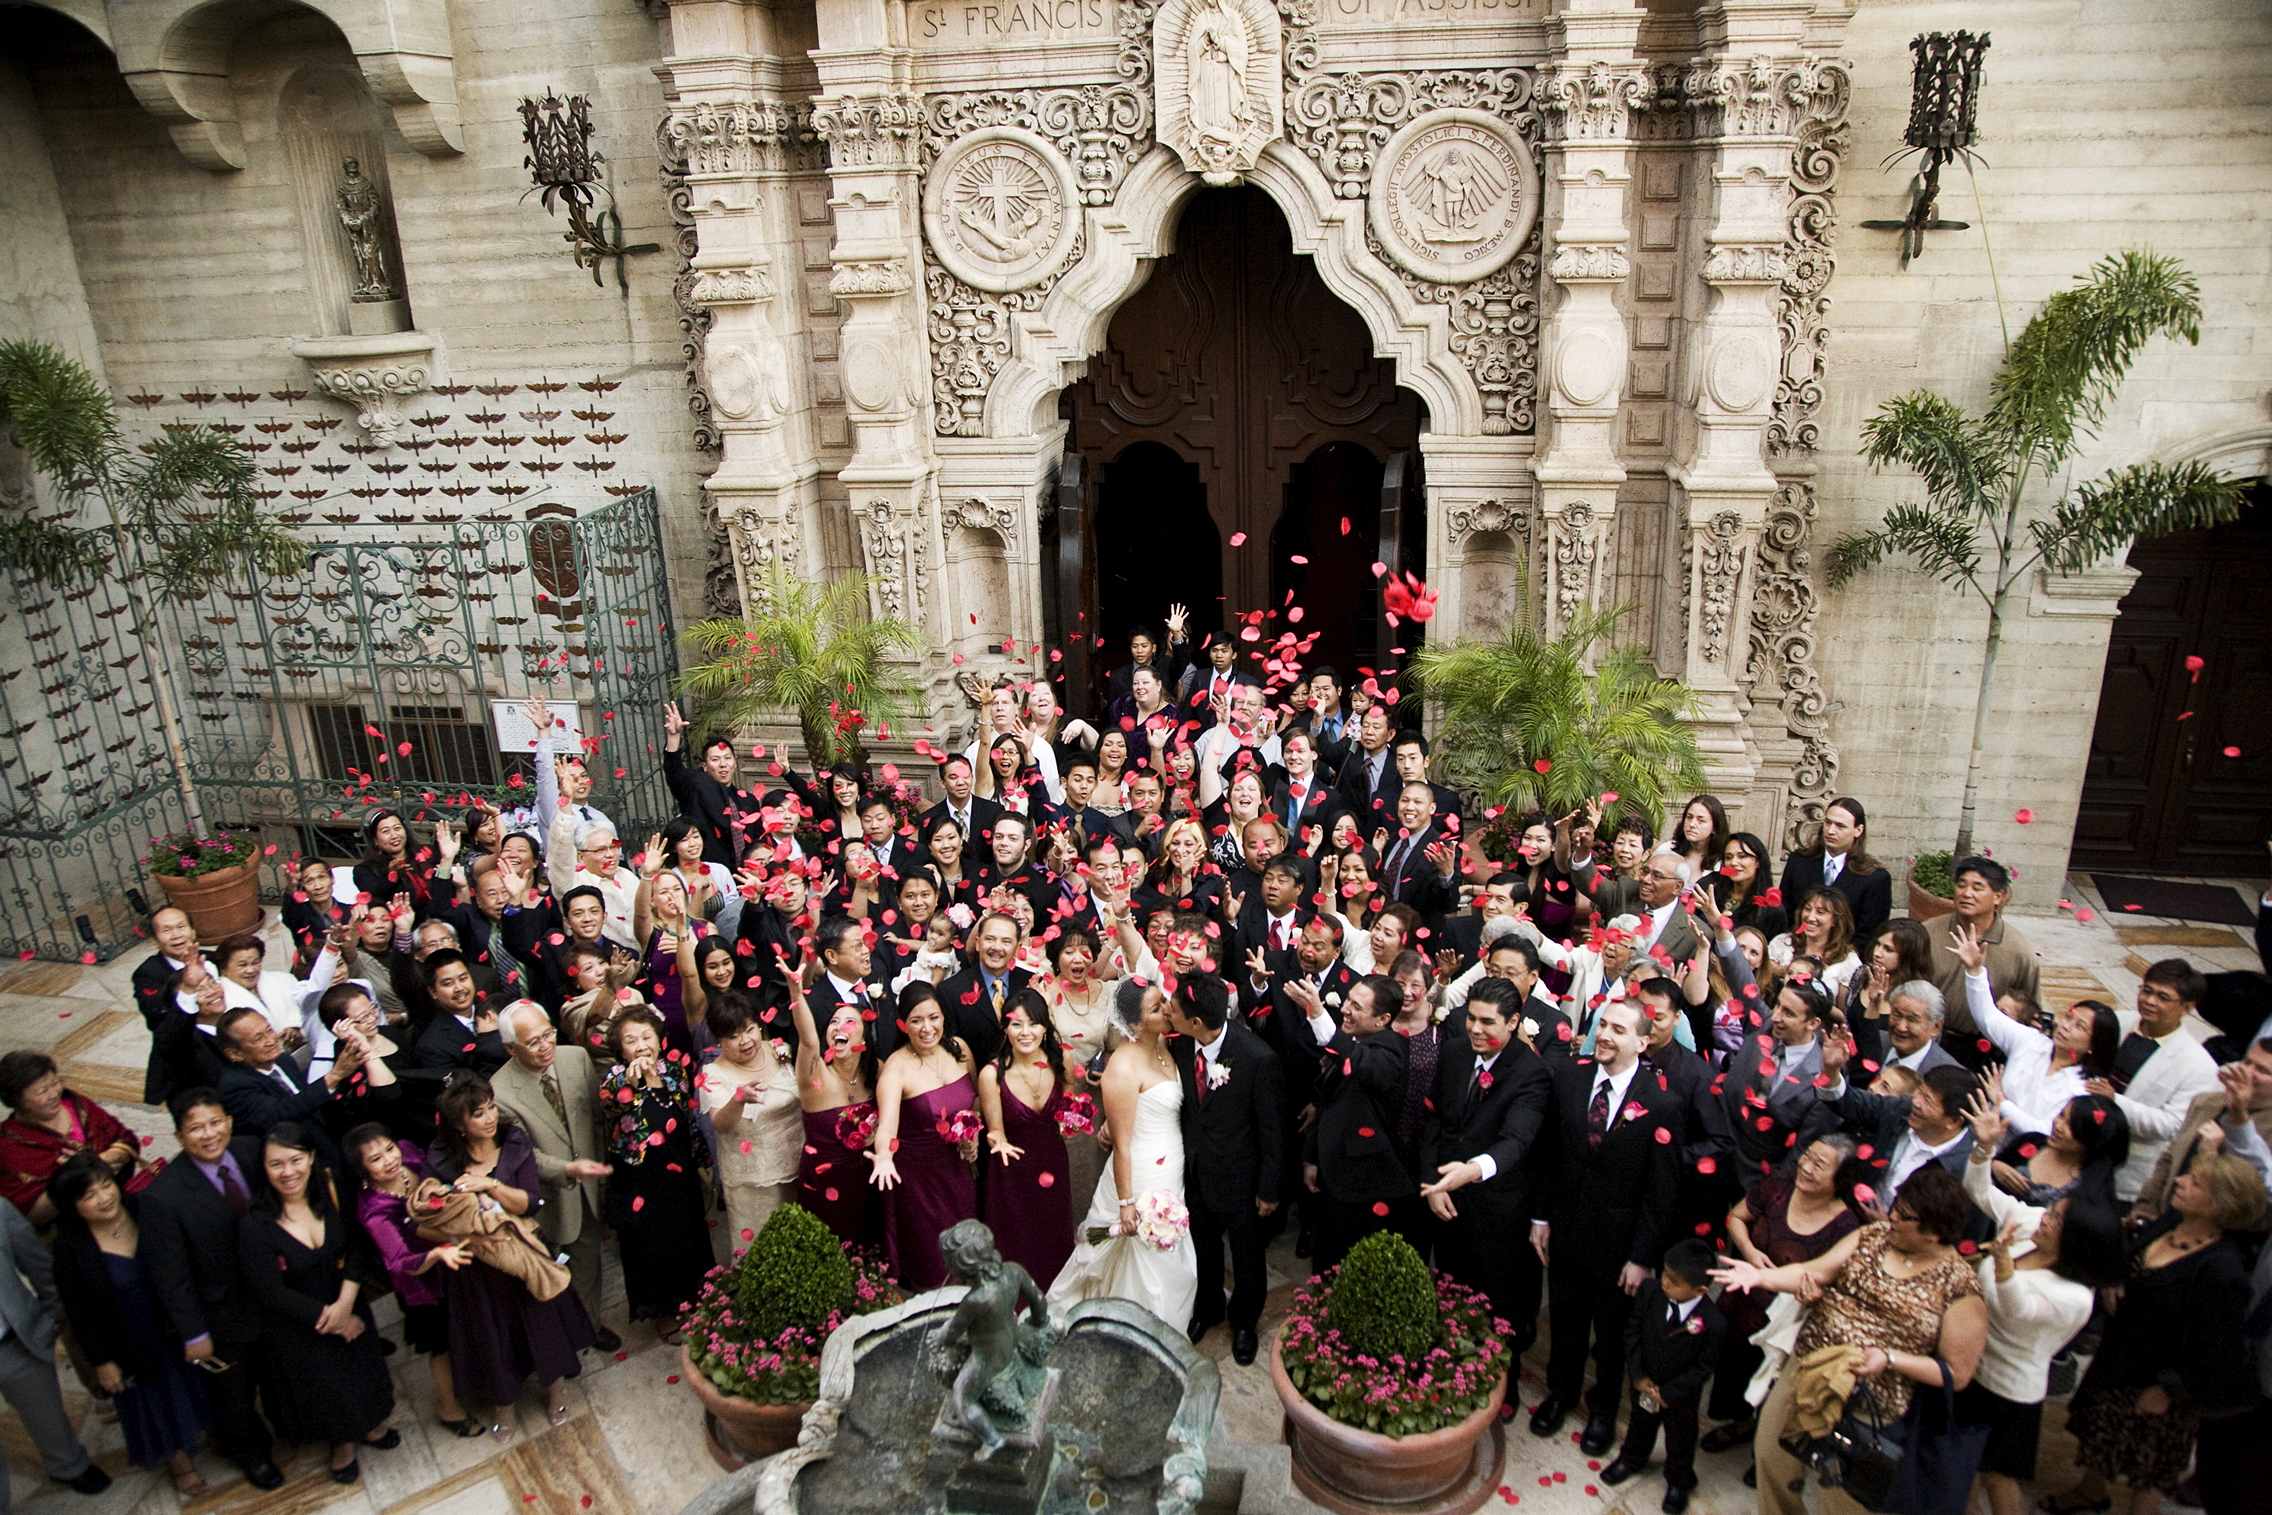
1161, 1221
1077, 1115
958, 1128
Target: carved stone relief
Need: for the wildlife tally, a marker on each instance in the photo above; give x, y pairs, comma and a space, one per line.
869, 131
759, 544
883, 538
1000, 211
980, 515
1784, 607
1494, 333
1101, 130
1720, 568
1454, 196
1575, 550
1808, 262
970, 341
1594, 103
721, 587
686, 243
1590, 263
744, 137
1215, 79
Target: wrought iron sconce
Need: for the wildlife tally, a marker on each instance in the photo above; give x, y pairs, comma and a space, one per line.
561, 160
1944, 107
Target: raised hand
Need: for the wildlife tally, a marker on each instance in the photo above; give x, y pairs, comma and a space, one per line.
651, 861
674, 724
1178, 615
539, 714
1255, 965
1988, 1124
1965, 943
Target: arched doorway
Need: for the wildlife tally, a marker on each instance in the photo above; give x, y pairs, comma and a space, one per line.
2180, 771
1235, 364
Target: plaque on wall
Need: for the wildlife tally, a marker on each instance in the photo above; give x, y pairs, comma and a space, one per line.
1001, 210
1215, 74
1454, 194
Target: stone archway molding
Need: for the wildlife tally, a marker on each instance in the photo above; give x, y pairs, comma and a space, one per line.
2245, 452
1127, 237
175, 56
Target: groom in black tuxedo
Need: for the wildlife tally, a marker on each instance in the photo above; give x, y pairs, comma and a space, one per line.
1233, 1091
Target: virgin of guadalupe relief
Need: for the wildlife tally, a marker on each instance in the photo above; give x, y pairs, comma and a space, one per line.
1454, 195
1215, 71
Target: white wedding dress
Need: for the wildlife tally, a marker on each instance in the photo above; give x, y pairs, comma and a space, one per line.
1122, 1267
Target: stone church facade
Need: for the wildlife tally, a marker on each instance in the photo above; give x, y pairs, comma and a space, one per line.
1576, 287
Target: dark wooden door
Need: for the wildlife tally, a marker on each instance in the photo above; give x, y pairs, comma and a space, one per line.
2180, 770
1240, 370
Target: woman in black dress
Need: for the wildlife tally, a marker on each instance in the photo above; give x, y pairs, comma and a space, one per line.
500, 1333
654, 1200
327, 1378
106, 1296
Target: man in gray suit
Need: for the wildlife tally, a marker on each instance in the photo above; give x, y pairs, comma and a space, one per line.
1668, 933
552, 1091
1915, 1016
27, 1358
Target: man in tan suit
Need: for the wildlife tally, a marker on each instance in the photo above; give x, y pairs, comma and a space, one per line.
552, 1091
2245, 1094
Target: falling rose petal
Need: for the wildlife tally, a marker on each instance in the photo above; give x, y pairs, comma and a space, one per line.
2023, 816
2232, 752
1345, 526
1238, 539
1380, 1207
1047, 1180
1298, 558
2194, 664
1544, 765
2086, 915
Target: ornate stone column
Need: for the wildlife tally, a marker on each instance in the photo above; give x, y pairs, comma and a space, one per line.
1588, 97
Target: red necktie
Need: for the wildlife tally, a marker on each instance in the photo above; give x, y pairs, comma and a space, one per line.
234, 1191
1278, 935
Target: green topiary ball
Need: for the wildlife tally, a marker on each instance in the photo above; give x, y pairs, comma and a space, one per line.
796, 1273
1384, 1300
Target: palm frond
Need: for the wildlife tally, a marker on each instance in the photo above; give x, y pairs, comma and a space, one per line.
1963, 463
1945, 543
2070, 358
2143, 500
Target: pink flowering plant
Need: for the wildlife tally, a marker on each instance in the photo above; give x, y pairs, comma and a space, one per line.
1383, 1344
185, 854
757, 1328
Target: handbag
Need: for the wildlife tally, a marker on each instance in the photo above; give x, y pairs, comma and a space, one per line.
1862, 1454
1935, 1478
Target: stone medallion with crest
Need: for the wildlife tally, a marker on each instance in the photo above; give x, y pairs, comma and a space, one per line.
1454, 194
1001, 210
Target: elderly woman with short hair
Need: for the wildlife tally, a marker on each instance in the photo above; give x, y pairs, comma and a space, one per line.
2175, 1353
50, 1125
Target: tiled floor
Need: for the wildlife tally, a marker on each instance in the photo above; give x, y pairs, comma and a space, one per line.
634, 1446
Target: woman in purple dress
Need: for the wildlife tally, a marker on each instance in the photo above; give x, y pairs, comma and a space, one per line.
390, 1171
1029, 1197
926, 1137
500, 1333
661, 919
836, 1083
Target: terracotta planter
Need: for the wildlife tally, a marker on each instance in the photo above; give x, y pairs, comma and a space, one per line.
221, 903
740, 1432
1447, 1472
1926, 906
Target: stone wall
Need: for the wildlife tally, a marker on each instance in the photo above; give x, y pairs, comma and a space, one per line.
2102, 130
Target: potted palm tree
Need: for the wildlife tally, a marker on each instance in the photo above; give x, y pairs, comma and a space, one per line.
1534, 722
171, 517
1391, 1377
812, 650
754, 1338
1975, 531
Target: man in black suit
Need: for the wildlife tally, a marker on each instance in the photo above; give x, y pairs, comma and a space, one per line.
973, 998
1270, 1012
1767, 1090
1368, 784
1515, 958
897, 855
707, 796
1080, 772
1419, 861
1007, 864
1274, 917
1144, 651
154, 980
1672, 1345
1617, 1149
493, 935
1410, 751
1707, 1189
1349, 1157
463, 1032
1326, 719
1839, 860
847, 978
1301, 797
1212, 684
189, 1249
1483, 1124
1904, 1132
972, 813
1462, 934
1233, 1113
262, 1088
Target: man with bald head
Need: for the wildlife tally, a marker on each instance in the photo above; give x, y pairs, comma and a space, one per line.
551, 1090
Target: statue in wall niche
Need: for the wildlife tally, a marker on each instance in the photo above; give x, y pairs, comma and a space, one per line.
1219, 111
359, 208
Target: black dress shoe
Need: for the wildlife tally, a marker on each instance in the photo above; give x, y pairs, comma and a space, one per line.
263, 1475
1244, 1346
348, 1474
604, 1340
1601, 1430
93, 1481
1548, 1417
1197, 1330
1676, 1501
1620, 1470
1304, 1242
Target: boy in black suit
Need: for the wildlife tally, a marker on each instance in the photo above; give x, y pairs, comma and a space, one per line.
1672, 1344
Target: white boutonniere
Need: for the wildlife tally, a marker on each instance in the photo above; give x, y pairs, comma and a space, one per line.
1442, 1012
1530, 1027
1218, 1074
1333, 998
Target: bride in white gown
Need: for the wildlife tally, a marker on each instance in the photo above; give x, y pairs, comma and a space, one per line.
1143, 1103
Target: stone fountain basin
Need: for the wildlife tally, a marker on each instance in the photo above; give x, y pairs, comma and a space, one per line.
1131, 1421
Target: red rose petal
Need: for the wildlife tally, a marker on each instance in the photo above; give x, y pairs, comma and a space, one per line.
1380, 1207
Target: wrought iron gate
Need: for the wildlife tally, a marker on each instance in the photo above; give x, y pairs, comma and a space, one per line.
367, 681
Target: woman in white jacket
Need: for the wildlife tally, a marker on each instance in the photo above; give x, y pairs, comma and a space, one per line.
2038, 1278
2042, 1073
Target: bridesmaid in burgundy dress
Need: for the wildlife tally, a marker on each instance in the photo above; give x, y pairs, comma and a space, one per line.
927, 1083
1029, 1199
836, 1083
